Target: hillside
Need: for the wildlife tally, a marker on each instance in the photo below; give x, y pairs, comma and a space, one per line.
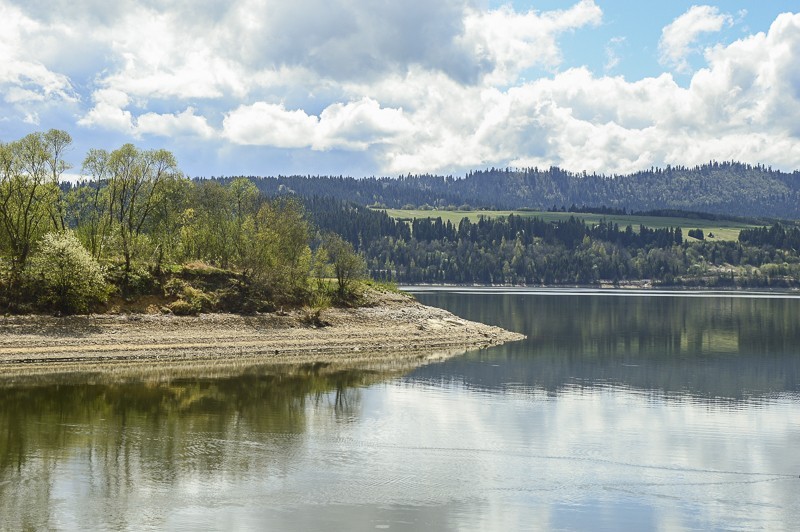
722, 188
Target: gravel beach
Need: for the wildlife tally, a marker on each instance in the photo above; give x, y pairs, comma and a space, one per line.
393, 328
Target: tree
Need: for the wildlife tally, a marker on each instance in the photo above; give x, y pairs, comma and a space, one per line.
215, 225
26, 196
69, 278
56, 142
167, 220
348, 266
90, 203
135, 180
277, 257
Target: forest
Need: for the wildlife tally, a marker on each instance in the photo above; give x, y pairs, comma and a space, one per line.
136, 230
528, 250
727, 188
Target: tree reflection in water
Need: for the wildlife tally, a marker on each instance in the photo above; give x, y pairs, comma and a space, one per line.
133, 433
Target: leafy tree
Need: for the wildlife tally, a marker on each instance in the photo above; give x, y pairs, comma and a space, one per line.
68, 277
26, 196
173, 198
90, 203
135, 180
277, 257
348, 266
214, 228
56, 143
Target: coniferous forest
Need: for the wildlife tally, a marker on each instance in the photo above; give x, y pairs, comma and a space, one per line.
727, 188
137, 228
528, 250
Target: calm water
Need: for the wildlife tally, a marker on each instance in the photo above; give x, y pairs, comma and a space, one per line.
620, 411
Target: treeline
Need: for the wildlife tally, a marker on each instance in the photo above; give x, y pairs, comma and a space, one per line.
777, 236
139, 227
724, 188
528, 250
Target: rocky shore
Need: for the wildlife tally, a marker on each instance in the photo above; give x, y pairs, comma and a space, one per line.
392, 328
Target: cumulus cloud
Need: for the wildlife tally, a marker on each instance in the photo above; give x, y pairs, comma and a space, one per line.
264, 124
25, 81
186, 123
508, 42
416, 86
679, 36
745, 105
109, 111
353, 126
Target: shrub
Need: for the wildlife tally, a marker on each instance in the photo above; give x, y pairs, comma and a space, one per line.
191, 300
66, 275
182, 307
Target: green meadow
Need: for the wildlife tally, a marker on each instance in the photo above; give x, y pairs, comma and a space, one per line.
721, 229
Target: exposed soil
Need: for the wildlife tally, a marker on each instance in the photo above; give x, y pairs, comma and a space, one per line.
393, 328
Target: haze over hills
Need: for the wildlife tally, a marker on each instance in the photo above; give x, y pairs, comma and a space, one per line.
727, 188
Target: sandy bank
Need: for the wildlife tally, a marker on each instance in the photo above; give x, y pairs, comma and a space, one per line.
396, 328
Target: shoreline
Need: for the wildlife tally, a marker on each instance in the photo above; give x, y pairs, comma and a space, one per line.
644, 285
396, 329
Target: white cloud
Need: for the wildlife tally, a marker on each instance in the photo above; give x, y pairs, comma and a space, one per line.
678, 37
414, 86
508, 42
744, 106
358, 125
612, 53
109, 111
353, 126
264, 124
186, 123
24, 79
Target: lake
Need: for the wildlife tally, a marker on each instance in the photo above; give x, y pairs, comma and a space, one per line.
622, 410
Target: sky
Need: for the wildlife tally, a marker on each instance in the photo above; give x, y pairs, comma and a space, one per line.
387, 88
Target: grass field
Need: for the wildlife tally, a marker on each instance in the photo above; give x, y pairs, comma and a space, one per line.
721, 229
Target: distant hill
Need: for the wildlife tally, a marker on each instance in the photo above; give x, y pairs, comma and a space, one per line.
723, 188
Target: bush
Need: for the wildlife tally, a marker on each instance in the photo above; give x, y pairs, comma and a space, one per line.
182, 307
191, 300
138, 281
66, 276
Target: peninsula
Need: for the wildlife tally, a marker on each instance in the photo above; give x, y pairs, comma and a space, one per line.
390, 328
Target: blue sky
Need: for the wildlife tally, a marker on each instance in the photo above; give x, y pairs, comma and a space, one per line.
355, 87
640, 24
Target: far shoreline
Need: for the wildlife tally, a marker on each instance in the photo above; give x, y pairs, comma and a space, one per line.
604, 286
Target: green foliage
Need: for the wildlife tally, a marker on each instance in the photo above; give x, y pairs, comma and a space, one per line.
277, 257
191, 300
383, 286
724, 229
348, 266
215, 222
29, 194
67, 277
696, 234
531, 250
242, 251
137, 196
182, 307
138, 281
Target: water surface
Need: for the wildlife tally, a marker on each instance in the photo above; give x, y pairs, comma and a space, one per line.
621, 410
